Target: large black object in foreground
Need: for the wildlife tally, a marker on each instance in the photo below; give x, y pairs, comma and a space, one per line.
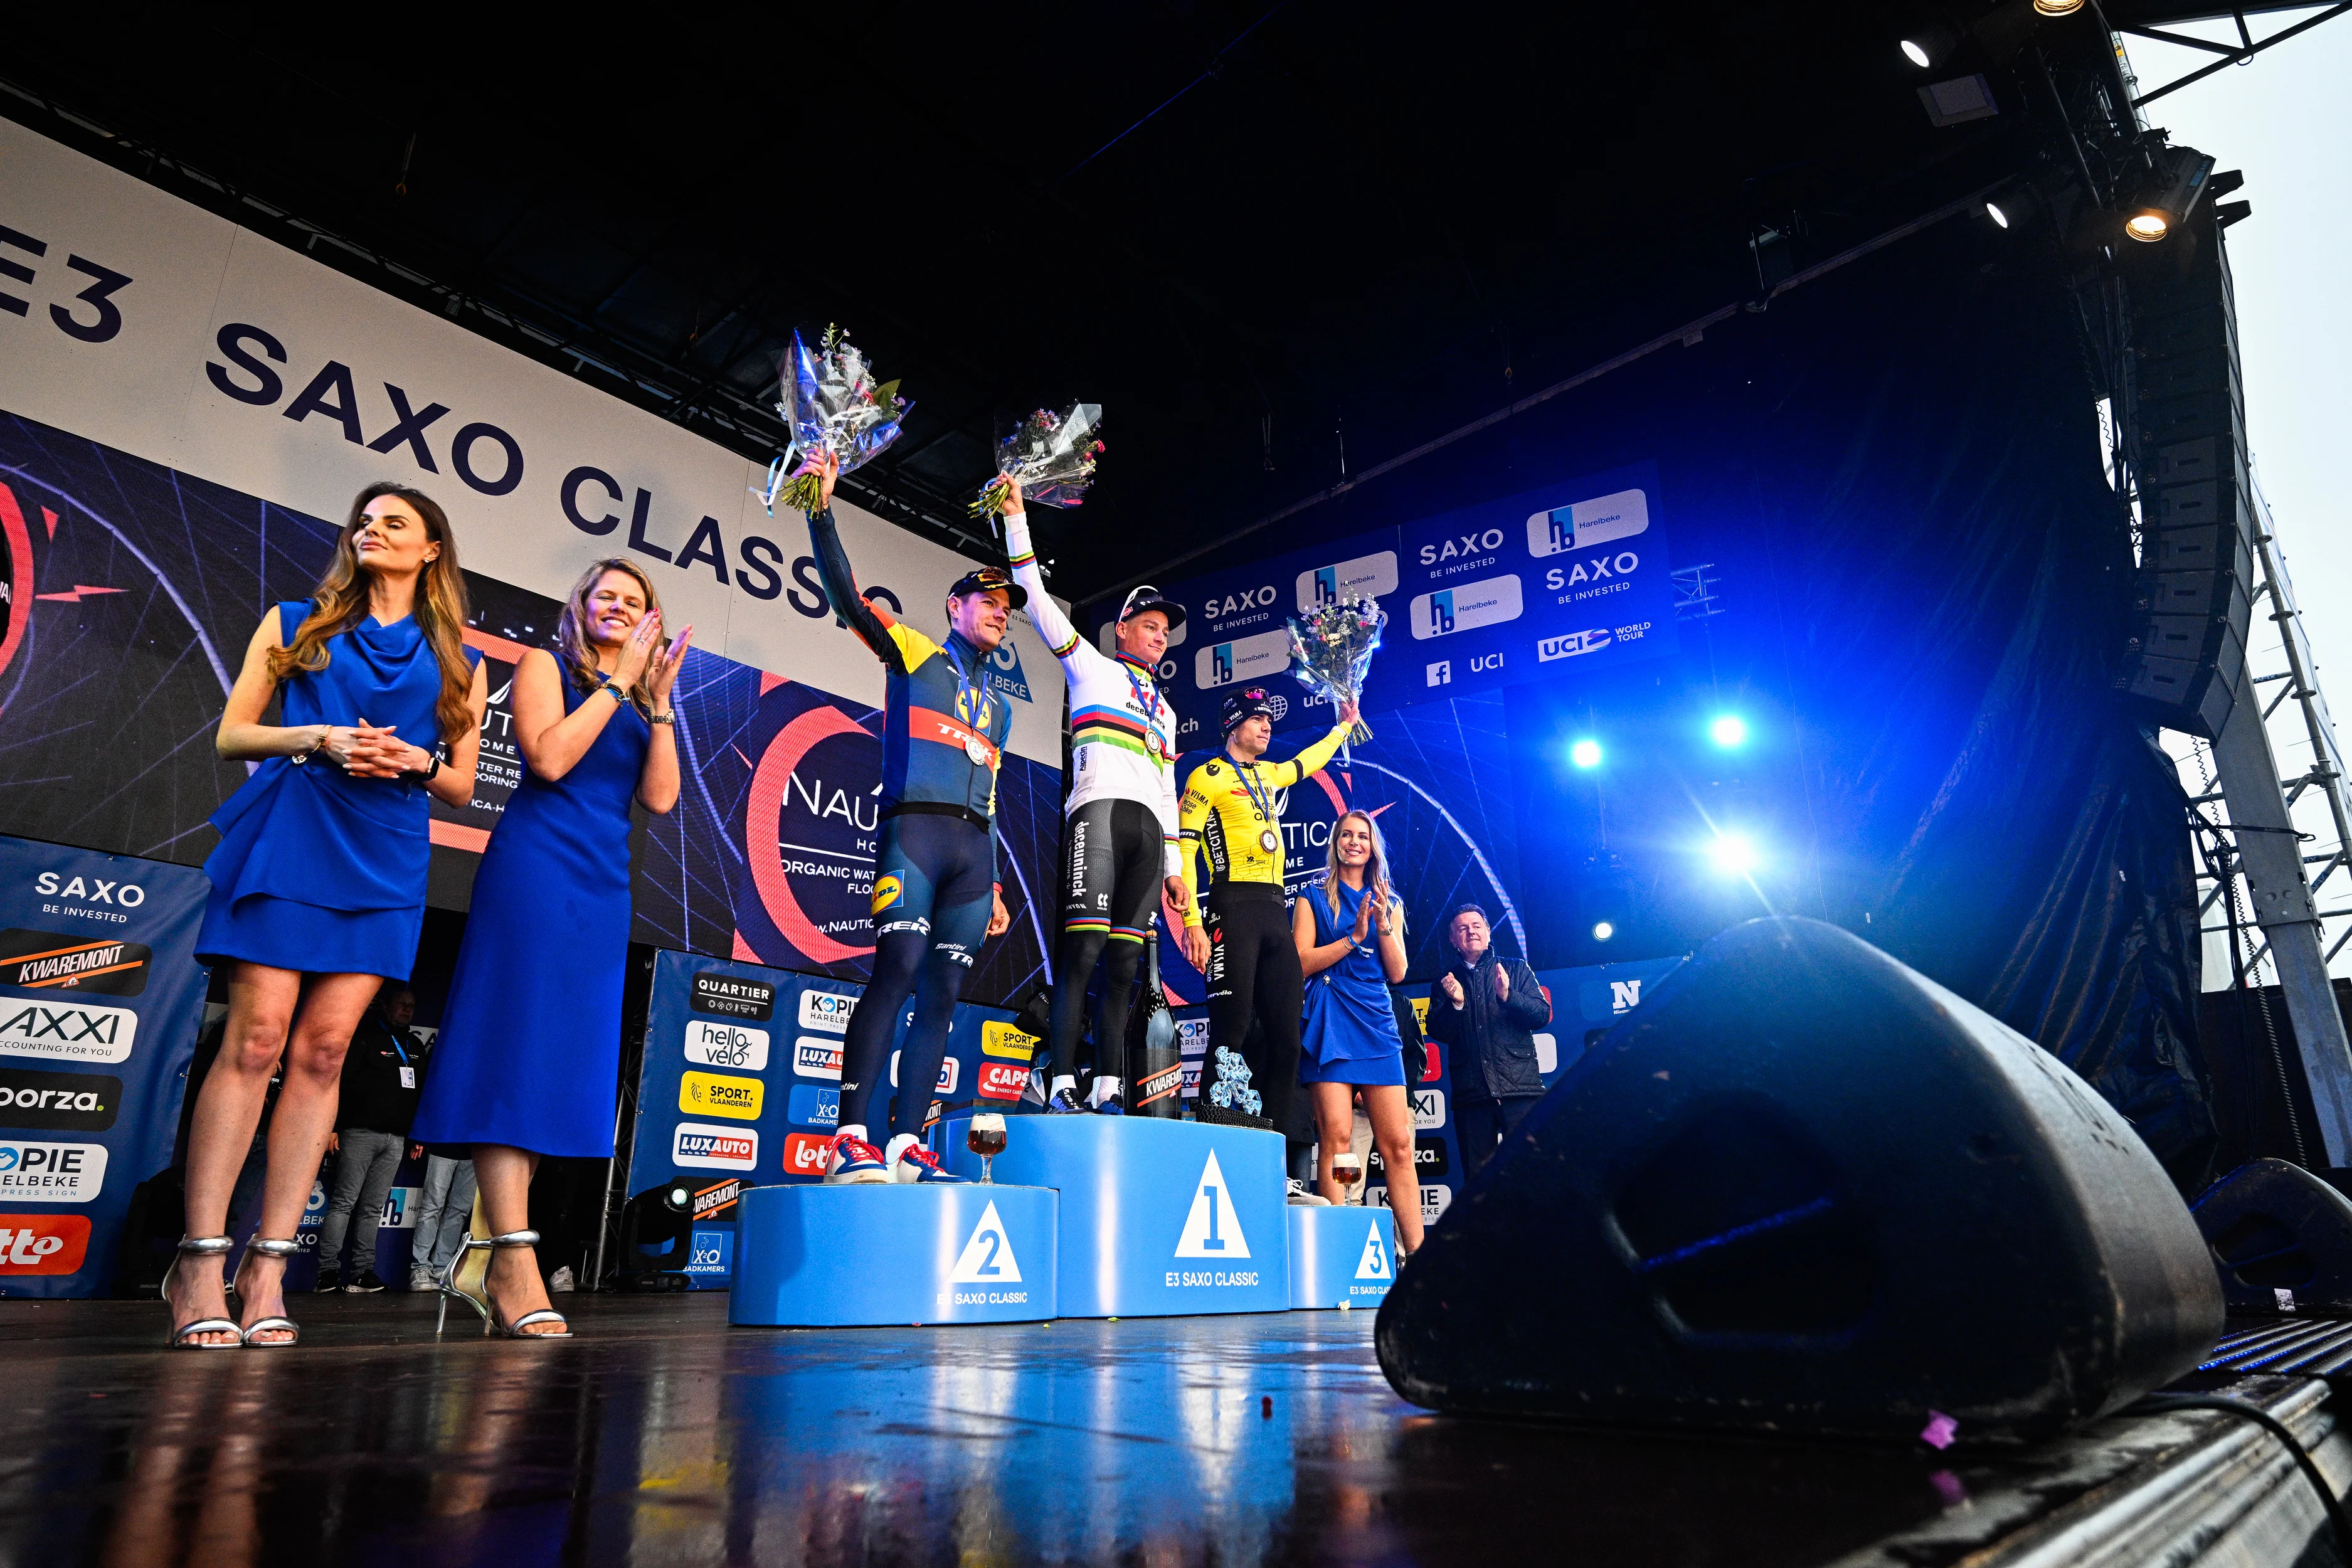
1805, 1189
2276, 1227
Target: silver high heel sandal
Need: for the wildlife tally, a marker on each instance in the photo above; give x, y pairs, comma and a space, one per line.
285, 1252
491, 1324
177, 1339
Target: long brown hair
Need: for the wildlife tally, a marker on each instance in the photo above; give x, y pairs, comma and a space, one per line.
1376, 868
577, 654
340, 600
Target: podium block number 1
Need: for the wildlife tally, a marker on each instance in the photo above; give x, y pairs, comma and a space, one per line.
1212, 1242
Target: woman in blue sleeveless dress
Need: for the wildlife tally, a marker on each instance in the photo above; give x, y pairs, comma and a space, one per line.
1350, 937
320, 873
529, 1058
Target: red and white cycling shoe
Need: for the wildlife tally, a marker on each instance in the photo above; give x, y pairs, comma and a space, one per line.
917, 1164
855, 1163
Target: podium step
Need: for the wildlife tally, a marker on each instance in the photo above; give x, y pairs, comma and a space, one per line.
1159, 1218
811, 1256
1342, 1257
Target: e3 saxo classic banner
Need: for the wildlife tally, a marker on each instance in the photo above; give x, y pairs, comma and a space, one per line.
740, 1085
1569, 577
99, 999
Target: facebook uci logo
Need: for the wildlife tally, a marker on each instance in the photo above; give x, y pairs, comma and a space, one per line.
1442, 672
1326, 585
1221, 658
1441, 610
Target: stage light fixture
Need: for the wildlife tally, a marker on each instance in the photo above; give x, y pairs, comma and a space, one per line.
1992, 211
2179, 179
1732, 854
1585, 753
2057, 7
1728, 730
1602, 931
1916, 55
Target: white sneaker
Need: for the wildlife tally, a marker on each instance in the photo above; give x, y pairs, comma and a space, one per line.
1301, 1198
560, 1281
421, 1278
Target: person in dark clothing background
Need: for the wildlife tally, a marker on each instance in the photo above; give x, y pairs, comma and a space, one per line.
382, 1076
1487, 1010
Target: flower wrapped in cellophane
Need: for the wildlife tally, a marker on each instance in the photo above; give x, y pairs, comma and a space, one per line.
1052, 456
1331, 649
831, 403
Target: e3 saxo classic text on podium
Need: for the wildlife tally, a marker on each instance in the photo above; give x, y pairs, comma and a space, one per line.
1088, 1217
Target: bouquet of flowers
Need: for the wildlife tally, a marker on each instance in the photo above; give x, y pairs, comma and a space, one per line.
1051, 455
1331, 649
831, 404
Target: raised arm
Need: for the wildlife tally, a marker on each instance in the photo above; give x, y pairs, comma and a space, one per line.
1062, 638
833, 569
1311, 759
1191, 816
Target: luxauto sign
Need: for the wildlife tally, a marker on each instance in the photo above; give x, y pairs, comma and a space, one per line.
696, 1146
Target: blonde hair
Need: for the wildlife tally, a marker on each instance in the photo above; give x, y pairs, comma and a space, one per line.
340, 600
1376, 867
572, 648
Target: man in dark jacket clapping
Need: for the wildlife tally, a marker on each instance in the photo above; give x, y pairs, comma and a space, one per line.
1487, 1009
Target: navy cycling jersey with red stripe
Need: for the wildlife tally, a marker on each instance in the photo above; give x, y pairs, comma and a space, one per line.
943, 724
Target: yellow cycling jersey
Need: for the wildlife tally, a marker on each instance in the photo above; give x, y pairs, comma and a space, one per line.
1228, 814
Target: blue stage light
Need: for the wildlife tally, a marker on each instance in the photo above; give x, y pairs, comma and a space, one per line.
1732, 854
1585, 753
1728, 730
1602, 931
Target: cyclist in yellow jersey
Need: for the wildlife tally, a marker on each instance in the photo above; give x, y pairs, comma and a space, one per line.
1237, 930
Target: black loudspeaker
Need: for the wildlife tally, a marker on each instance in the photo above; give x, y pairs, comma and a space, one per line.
2192, 594
1802, 1188
657, 1239
2281, 1239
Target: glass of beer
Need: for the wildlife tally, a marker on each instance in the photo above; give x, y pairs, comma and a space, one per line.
1347, 1167
985, 1138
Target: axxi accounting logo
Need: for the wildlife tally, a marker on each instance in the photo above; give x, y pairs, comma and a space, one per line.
82, 1032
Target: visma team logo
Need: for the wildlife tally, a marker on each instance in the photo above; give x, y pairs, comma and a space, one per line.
81, 1032
1490, 603
828, 1011
711, 1094
695, 1147
817, 1058
1589, 522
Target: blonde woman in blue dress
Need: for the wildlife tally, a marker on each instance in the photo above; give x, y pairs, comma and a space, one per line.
1351, 936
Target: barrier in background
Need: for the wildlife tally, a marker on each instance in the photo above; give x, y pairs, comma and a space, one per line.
740, 1084
100, 996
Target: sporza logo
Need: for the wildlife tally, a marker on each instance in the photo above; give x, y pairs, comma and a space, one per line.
73, 1033
64, 1102
817, 1058
697, 1147
1567, 644
1589, 522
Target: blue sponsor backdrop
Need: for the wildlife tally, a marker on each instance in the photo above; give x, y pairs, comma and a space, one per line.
1569, 576
741, 1082
100, 996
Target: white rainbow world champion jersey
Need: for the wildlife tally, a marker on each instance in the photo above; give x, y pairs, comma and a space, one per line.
1122, 731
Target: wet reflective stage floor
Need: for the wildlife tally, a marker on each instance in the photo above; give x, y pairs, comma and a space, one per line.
663, 1435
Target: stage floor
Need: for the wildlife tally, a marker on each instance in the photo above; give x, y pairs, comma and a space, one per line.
663, 1435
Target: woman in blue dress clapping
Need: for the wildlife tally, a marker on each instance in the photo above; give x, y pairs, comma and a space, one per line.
319, 873
1350, 937
529, 1059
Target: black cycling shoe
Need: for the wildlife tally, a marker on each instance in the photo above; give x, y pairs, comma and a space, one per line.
330, 1281
367, 1283
1064, 1103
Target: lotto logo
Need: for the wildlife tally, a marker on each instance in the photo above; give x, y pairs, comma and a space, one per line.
709, 1094
817, 1058
79, 1034
826, 1011
42, 1242
1001, 1080
806, 1153
695, 1147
